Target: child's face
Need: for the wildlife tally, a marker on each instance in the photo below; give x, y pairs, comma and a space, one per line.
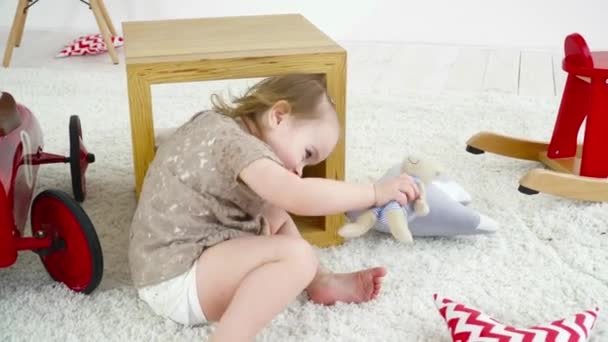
300, 142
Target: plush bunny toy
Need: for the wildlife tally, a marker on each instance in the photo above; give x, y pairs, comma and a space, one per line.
393, 214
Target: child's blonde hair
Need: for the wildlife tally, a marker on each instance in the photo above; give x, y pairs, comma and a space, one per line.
302, 91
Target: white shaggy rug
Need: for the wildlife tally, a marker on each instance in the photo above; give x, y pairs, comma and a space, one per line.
548, 260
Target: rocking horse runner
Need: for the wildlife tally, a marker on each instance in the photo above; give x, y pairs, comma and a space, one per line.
578, 171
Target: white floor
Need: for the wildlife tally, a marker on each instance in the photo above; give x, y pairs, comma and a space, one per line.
466, 68
431, 68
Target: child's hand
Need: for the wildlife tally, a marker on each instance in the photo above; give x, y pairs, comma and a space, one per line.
402, 189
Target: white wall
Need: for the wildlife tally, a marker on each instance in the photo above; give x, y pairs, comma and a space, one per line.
521, 23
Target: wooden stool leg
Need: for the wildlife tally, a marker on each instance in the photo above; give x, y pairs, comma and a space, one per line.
335, 164
572, 111
21, 26
594, 160
142, 126
103, 27
106, 17
12, 37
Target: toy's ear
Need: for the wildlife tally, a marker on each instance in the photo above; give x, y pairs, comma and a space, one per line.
425, 169
410, 163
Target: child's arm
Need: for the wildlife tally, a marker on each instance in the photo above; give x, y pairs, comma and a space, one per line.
280, 221
319, 196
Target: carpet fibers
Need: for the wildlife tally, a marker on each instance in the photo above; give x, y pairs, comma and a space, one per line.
549, 258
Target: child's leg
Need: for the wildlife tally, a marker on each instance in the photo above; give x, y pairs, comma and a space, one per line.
357, 287
327, 287
244, 283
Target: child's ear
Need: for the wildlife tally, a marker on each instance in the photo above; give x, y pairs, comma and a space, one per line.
278, 112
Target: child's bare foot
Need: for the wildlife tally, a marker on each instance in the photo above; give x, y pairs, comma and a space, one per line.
356, 287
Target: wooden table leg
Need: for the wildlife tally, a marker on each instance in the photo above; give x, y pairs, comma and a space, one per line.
103, 27
142, 125
335, 164
14, 34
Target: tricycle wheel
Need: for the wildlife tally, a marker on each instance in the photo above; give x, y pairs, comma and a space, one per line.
79, 159
75, 257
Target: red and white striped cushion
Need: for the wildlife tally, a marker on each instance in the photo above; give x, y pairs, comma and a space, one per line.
467, 324
88, 45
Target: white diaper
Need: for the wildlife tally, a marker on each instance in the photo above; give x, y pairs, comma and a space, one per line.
176, 299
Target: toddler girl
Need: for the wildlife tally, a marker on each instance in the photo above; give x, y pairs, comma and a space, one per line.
212, 238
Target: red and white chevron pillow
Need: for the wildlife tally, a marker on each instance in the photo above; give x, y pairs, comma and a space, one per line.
467, 324
88, 45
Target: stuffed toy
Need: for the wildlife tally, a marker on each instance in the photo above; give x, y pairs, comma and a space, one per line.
441, 210
393, 215
467, 324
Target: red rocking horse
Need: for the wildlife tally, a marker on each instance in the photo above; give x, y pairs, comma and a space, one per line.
578, 171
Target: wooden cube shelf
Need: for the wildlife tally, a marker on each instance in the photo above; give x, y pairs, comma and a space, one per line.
205, 49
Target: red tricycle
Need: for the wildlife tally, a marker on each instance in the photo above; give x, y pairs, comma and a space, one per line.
62, 234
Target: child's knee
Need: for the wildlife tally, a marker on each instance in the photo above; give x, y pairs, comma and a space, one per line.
302, 253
